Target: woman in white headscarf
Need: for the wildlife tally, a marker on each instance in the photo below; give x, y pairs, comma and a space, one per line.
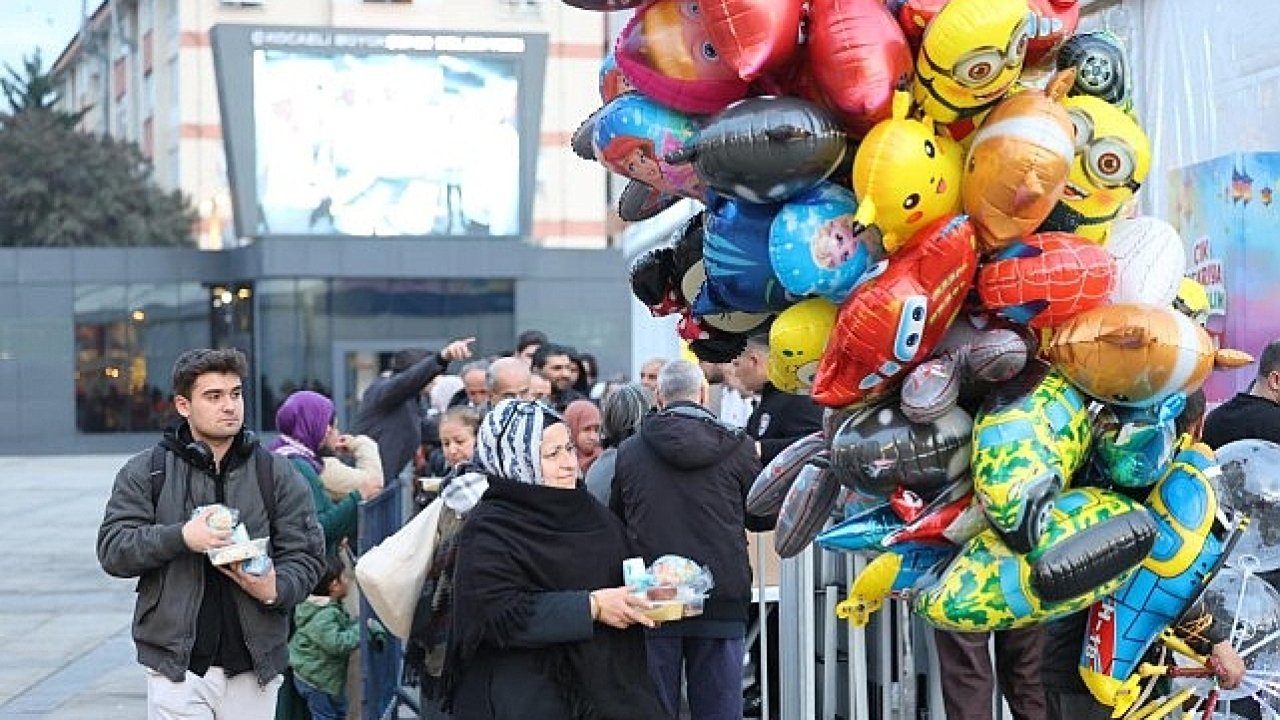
542, 628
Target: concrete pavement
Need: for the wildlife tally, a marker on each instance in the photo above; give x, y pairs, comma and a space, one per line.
65, 650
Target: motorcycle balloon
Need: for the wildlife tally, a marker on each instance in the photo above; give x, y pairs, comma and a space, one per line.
766, 149
1102, 68
805, 509
666, 54
882, 450
773, 482
859, 57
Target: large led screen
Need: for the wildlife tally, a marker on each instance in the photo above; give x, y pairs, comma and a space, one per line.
379, 133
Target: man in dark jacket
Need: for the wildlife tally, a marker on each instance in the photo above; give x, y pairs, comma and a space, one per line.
214, 637
680, 486
1250, 415
779, 418
389, 410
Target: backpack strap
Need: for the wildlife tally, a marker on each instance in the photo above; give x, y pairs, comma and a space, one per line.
266, 480
158, 454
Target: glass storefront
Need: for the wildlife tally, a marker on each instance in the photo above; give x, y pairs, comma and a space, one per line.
299, 333
127, 338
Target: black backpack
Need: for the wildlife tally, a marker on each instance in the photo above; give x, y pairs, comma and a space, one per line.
261, 457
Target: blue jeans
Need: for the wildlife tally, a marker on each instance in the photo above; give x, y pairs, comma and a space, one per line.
322, 705
713, 667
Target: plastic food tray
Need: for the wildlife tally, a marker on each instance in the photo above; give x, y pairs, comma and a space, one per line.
236, 553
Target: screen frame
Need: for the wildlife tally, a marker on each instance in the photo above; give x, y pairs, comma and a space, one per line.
234, 47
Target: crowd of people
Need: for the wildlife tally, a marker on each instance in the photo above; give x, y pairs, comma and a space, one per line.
548, 479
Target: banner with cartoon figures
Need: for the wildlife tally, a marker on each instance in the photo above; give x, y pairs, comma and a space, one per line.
1224, 211
929, 203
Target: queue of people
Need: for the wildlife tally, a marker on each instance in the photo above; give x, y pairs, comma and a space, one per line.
544, 492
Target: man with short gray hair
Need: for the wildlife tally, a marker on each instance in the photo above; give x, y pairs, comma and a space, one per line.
508, 379
680, 487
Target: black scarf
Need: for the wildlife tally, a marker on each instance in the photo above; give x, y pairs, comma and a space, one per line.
523, 539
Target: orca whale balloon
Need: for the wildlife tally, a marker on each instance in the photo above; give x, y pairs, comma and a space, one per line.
765, 149
775, 479
806, 507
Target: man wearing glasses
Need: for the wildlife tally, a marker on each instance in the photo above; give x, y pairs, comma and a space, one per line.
1252, 415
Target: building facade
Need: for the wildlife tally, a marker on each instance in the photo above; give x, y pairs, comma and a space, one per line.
88, 336
145, 72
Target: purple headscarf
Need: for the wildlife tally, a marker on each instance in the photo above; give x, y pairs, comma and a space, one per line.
303, 420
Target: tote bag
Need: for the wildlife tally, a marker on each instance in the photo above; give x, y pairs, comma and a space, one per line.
391, 574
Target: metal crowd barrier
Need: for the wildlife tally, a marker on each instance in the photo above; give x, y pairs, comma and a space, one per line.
380, 669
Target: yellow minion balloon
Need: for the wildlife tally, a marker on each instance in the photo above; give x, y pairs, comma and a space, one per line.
796, 341
971, 54
1192, 301
1112, 158
905, 175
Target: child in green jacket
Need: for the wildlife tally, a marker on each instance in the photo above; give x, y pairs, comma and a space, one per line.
324, 640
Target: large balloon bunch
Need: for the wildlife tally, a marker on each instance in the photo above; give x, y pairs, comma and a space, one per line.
927, 203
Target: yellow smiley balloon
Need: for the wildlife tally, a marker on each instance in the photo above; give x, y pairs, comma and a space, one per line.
796, 341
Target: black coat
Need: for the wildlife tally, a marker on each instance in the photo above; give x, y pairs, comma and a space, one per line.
782, 418
680, 486
1243, 417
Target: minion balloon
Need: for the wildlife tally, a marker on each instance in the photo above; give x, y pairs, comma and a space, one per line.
1112, 158
972, 53
905, 175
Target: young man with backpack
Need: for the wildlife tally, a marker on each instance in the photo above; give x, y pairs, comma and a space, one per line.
213, 638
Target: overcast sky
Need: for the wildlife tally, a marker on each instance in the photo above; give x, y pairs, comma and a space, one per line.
46, 24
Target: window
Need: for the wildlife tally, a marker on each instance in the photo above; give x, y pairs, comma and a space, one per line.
119, 77
126, 340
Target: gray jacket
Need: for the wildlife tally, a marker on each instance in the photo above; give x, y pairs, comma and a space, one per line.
139, 539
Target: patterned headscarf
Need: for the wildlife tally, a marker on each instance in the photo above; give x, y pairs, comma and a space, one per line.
509, 443
303, 420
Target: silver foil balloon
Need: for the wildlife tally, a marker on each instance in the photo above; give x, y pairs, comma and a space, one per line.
805, 509
765, 149
1250, 484
878, 449
1250, 607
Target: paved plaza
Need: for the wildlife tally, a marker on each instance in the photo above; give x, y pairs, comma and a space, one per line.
65, 651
